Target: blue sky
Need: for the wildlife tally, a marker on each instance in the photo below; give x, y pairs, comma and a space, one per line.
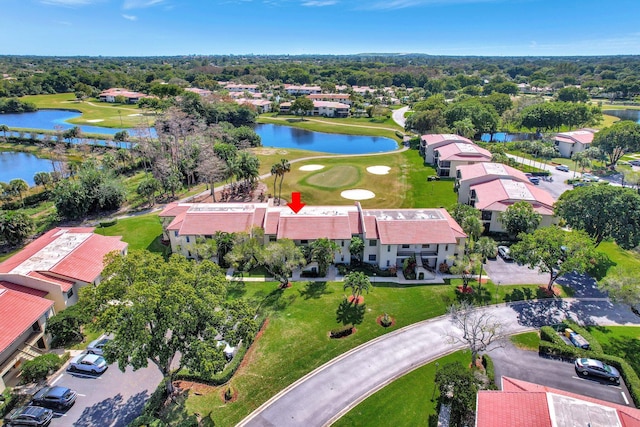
438, 27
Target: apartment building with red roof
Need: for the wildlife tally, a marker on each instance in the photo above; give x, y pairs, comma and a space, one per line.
23, 316
570, 143
520, 403
321, 108
429, 143
390, 235
448, 157
131, 97
344, 98
60, 262
493, 187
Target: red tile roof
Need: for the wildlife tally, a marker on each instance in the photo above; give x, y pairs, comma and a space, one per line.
355, 223
308, 227
85, 263
411, 226
177, 221
493, 169
581, 136
505, 409
203, 223
508, 192
23, 289
64, 284
18, 311
174, 209
439, 137
271, 222
460, 151
371, 227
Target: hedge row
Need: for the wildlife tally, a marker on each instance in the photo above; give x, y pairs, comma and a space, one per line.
490, 371
341, 332
595, 345
108, 223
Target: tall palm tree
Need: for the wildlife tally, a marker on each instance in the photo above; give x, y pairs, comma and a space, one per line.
276, 171
285, 167
485, 247
4, 129
18, 186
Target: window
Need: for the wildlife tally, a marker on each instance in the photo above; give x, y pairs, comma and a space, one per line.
388, 248
272, 238
486, 215
425, 246
175, 233
208, 236
304, 242
187, 239
372, 257
446, 247
405, 246
70, 293
342, 243
373, 243
388, 263
189, 254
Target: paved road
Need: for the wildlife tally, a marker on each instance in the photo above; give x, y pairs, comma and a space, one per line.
528, 366
112, 399
555, 187
327, 393
511, 273
398, 116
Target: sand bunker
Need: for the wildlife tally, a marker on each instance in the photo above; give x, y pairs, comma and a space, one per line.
379, 170
134, 115
357, 194
311, 167
95, 120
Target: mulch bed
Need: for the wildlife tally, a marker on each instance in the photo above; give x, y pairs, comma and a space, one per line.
234, 395
554, 292
360, 299
379, 321
462, 290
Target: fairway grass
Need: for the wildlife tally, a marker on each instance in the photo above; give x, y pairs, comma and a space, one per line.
340, 176
95, 112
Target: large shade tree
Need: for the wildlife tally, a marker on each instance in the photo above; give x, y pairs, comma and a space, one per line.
520, 218
166, 313
603, 211
323, 252
555, 251
616, 140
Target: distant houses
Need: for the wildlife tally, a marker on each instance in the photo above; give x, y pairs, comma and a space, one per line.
130, 97
344, 98
321, 108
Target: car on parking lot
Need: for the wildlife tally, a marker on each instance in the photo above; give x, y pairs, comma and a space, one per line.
634, 162
590, 177
55, 397
534, 180
88, 363
96, 346
505, 253
597, 368
563, 168
35, 416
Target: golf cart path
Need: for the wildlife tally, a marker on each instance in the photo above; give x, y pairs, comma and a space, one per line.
324, 395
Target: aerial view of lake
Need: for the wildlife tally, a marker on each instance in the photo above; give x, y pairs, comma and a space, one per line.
21, 165
272, 135
633, 115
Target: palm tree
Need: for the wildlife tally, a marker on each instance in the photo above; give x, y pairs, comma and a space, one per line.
4, 129
485, 247
285, 167
276, 171
18, 186
358, 282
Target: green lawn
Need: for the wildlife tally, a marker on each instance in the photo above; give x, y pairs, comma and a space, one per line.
421, 193
140, 232
619, 256
527, 341
621, 341
95, 112
409, 401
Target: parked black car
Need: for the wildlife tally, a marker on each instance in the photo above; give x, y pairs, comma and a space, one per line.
596, 368
55, 397
34, 416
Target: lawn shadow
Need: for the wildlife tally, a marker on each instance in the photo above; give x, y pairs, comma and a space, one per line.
236, 288
349, 313
113, 411
314, 290
176, 413
276, 299
627, 348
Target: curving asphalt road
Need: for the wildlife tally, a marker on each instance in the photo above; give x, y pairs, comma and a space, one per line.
324, 395
398, 116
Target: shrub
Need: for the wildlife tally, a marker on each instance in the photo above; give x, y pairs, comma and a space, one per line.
65, 327
489, 370
108, 223
228, 394
341, 332
40, 367
386, 320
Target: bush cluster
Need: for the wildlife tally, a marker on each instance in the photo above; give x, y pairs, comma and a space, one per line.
40, 367
341, 332
108, 223
490, 371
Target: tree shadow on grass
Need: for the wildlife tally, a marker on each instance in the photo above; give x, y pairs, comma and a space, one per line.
627, 348
276, 300
314, 290
236, 289
349, 313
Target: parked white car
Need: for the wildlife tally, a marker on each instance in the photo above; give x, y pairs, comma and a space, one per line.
88, 363
96, 346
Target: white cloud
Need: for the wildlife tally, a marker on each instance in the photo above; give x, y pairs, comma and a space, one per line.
130, 17
139, 4
319, 3
68, 3
402, 4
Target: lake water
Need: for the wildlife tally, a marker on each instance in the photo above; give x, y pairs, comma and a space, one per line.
271, 135
21, 165
633, 115
507, 137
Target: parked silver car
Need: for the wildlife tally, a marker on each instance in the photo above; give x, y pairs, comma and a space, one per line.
88, 363
96, 346
597, 368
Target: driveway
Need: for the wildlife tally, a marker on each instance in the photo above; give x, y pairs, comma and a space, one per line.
555, 187
511, 273
398, 116
324, 395
112, 399
528, 366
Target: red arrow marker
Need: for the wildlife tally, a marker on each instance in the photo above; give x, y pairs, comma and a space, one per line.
295, 204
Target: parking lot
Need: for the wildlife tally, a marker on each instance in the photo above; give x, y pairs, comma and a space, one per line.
112, 399
510, 273
529, 366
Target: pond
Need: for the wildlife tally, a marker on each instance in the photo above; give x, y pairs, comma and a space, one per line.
272, 135
633, 115
288, 137
21, 166
507, 137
